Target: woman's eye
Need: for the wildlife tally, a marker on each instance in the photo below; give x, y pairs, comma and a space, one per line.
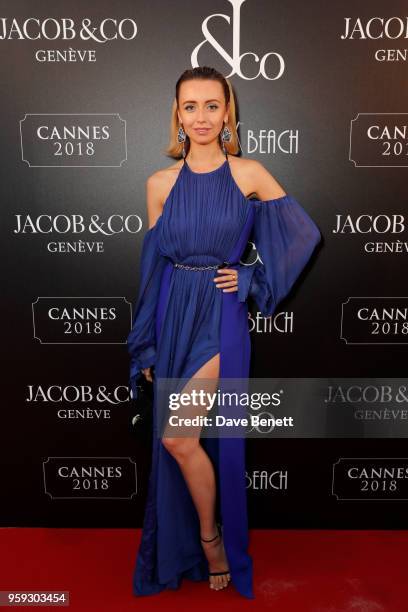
215, 106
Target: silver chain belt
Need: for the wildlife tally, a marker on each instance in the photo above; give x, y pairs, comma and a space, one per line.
185, 267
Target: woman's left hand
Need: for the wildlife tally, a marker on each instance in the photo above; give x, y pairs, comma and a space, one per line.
227, 279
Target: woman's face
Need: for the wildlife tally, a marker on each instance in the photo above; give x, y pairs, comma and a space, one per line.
202, 109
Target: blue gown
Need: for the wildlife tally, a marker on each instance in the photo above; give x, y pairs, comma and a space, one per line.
180, 320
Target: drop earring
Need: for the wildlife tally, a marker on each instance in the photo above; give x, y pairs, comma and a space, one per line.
181, 137
225, 137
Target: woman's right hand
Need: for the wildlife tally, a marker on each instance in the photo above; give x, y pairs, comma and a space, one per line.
148, 374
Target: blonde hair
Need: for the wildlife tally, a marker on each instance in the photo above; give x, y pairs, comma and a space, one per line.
175, 148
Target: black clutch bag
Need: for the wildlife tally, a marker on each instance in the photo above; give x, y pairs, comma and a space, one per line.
142, 408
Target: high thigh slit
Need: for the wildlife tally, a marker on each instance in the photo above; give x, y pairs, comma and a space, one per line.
181, 320
197, 381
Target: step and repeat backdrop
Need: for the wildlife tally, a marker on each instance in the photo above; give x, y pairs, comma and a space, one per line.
322, 99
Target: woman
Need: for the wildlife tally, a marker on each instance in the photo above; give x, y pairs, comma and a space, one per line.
191, 321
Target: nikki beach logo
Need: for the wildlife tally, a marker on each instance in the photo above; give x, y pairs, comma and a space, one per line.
236, 58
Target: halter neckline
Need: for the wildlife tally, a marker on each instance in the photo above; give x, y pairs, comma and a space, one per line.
206, 173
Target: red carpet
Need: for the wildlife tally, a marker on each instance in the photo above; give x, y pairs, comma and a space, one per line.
302, 571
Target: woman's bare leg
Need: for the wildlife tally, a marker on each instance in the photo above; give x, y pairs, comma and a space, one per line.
198, 472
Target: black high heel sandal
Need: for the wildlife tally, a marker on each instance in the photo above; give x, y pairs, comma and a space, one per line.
212, 540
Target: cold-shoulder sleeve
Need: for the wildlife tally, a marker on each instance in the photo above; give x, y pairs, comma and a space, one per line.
141, 341
285, 237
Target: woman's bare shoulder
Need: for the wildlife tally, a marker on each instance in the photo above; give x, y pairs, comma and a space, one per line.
158, 187
161, 182
242, 170
256, 179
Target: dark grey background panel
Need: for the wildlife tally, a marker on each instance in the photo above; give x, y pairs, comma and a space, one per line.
86, 100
